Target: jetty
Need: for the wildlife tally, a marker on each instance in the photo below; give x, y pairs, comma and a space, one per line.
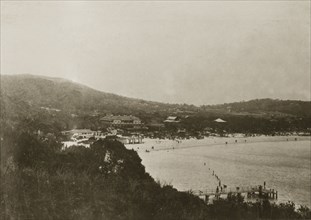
259, 192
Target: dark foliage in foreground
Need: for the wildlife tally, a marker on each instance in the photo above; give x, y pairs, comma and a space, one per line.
105, 181
234, 207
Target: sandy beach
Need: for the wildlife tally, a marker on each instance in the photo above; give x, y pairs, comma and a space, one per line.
150, 144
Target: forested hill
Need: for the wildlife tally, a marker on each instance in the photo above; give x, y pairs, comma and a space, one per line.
264, 107
25, 94
31, 92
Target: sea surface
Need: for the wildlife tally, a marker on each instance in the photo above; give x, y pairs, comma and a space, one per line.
283, 163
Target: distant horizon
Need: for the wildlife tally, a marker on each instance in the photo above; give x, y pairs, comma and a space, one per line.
201, 52
66, 79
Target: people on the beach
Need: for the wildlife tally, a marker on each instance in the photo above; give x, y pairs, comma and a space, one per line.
218, 179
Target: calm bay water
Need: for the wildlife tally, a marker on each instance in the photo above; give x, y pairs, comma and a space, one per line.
283, 165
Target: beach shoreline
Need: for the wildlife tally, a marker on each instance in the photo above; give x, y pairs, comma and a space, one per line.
156, 144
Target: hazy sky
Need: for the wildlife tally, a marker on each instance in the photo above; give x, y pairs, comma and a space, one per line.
182, 52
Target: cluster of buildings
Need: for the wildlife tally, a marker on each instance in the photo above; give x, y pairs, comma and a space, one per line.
86, 137
121, 121
124, 128
78, 134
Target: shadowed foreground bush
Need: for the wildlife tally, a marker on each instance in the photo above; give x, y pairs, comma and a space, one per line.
105, 181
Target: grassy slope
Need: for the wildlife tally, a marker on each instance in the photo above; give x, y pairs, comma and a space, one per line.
34, 92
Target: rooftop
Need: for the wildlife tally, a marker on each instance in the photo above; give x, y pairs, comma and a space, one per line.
119, 117
219, 120
79, 131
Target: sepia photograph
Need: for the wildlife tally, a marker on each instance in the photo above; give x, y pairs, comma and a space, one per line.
155, 110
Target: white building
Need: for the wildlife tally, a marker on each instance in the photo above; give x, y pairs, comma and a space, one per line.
172, 119
81, 133
121, 120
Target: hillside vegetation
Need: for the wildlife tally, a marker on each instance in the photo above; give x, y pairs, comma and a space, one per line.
265, 107
41, 102
35, 91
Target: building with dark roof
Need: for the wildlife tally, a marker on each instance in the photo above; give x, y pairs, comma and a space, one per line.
121, 120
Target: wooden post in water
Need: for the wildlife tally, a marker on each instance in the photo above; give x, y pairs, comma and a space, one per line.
273, 194
206, 199
260, 191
